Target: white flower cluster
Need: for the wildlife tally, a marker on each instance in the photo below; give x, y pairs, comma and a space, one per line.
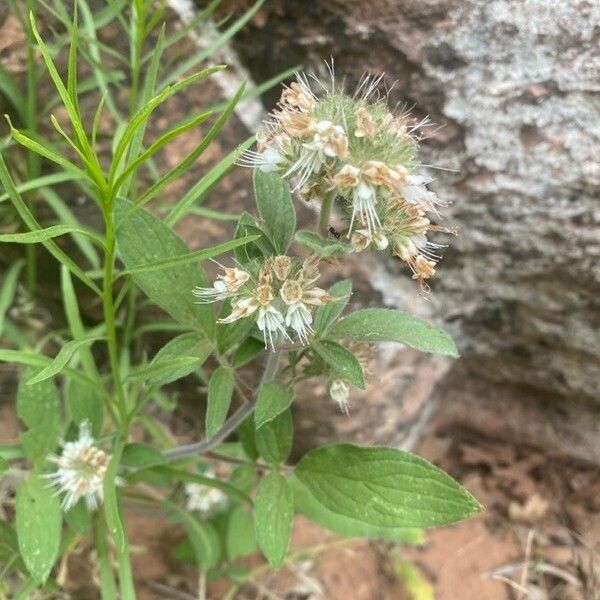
204, 498
354, 148
279, 293
81, 469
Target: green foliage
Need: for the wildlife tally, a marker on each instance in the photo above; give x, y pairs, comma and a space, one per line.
220, 392
384, 487
385, 325
275, 208
106, 374
39, 518
273, 399
274, 511
38, 406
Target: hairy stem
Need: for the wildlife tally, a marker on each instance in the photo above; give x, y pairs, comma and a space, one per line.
326, 213
236, 419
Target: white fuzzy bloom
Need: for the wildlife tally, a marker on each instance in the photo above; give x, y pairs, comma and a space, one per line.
81, 470
364, 200
380, 241
415, 192
271, 322
340, 392
217, 292
271, 160
328, 141
204, 498
299, 318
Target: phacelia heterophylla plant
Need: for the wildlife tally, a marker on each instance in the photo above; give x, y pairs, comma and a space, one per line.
352, 148
97, 445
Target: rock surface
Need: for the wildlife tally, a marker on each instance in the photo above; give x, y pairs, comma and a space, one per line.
515, 85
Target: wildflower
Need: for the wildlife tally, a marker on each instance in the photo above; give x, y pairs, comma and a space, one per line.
298, 95
365, 127
279, 293
226, 284
415, 193
297, 294
340, 392
204, 498
81, 469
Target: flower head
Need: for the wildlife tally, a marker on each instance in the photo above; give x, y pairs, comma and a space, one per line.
279, 293
81, 469
204, 498
340, 392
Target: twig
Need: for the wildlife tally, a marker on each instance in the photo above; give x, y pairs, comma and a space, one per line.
238, 417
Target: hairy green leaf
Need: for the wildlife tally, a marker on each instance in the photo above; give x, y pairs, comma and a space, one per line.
341, 360
39, 519
329, 312
274, 514
273, 399
274, 439
276, 208
385, 325
384, 487
314, 242
220, 392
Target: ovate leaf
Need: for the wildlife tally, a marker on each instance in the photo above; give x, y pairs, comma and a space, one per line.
143, 239
276, 208
220, 392
274, 439
39, 408
385, 325
273, 399
39, 519
384, 487
306, 504
241, 539
85, 403
274, 514
179, 357
341, 360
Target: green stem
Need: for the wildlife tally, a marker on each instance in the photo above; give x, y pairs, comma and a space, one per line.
33, 159
108, 587
326, 205
109, 310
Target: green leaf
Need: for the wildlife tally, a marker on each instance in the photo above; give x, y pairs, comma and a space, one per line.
32, 224
38, 406
41, 182
190, 257
177, 358
202, 535
274, 515
199, 189
326, 248
143, 239
306, 504
273, 399
385, 325
241, 539
39, 518
85, 403
141, 456
246, 351
112, 508
276, 208
9, 287
78, 518
341, 360
220, 392
4, 466
191, 158
274, 439
42, 235
62, 358
330, 311
384, 487
10, 90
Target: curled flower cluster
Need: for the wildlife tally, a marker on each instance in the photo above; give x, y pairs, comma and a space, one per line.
204, 498
354, 149
81, 469
279, 292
